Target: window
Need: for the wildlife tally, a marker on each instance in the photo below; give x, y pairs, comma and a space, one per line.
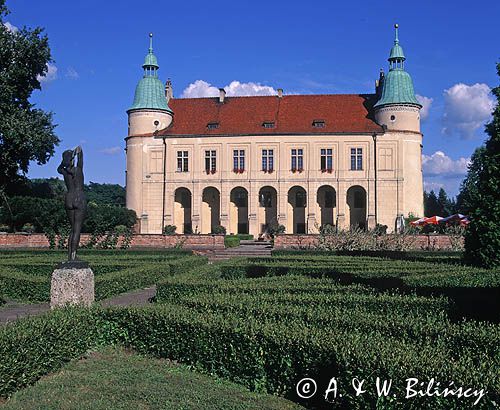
238, 160
318, 124
182, 161
213, 125
326, 159
268, 124
156, 161
297, 160
356, 159
267, 160
385, 158
210, 161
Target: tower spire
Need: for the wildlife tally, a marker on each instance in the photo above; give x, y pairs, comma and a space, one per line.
397, 57
397, 86
150, 43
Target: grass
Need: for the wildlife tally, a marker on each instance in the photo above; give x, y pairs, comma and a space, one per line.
117, 379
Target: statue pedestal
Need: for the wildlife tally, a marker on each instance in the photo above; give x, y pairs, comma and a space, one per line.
72, 283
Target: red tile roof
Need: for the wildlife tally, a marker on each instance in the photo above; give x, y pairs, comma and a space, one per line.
292, 114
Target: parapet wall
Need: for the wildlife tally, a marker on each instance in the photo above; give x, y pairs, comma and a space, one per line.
23, 240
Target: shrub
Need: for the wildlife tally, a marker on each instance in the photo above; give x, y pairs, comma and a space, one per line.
169, 229
219, 230
4, 228
245, 236
276, 229
28, 228
33, 347
231, 241
327, 229
380, 229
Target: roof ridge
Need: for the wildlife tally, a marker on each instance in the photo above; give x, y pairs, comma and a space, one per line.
276, 96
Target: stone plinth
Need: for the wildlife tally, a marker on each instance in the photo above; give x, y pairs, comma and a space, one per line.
72, 283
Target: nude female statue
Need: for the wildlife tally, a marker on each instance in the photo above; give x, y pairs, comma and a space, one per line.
75, 201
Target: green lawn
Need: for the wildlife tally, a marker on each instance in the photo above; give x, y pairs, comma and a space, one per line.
116, 379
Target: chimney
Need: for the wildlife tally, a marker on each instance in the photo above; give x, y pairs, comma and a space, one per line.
222, 95
169, 91
280, 92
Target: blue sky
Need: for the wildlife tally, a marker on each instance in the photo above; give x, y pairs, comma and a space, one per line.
303, 47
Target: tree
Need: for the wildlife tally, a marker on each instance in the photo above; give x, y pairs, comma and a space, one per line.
111, 194
26, 132
431, 204
446, 205
469, 187
482, 239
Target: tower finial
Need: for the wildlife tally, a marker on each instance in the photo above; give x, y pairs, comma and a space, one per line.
396, 39
151, 43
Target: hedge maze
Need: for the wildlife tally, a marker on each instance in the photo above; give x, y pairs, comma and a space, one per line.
266, 323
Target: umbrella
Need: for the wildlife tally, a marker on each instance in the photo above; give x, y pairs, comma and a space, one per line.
418, 222
432, 220
461, 219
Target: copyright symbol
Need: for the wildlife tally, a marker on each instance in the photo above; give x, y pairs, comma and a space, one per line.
306, 388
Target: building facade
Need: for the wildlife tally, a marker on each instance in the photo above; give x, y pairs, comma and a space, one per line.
248, 163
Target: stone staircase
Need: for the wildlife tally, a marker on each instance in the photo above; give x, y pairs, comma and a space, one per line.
248, 248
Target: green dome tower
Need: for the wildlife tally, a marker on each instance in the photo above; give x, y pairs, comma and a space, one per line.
149, 111
397, 107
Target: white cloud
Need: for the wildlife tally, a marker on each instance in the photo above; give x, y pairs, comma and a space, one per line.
111, 150
72, 74
440, 164
466, 108
426, 105
50, 74
441, 171
10, 27
433, 186
201, 88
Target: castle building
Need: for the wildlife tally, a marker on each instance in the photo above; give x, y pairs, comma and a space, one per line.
248, 163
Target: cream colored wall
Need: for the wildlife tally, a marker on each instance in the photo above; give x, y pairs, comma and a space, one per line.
143, 121
399, 183
406, 117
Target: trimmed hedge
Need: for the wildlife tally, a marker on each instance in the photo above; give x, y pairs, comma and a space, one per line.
110, 280
264, 353
231, 241
268, 355
34, 347
366, 270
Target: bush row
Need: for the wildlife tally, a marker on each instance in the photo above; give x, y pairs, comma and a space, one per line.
33, 347
36, 288
403, 273
263, 355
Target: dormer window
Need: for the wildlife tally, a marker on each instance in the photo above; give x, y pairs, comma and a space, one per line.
213, 125
268, 124
318, 124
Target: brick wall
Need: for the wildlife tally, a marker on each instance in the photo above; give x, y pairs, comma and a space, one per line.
418, 242
23, 240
